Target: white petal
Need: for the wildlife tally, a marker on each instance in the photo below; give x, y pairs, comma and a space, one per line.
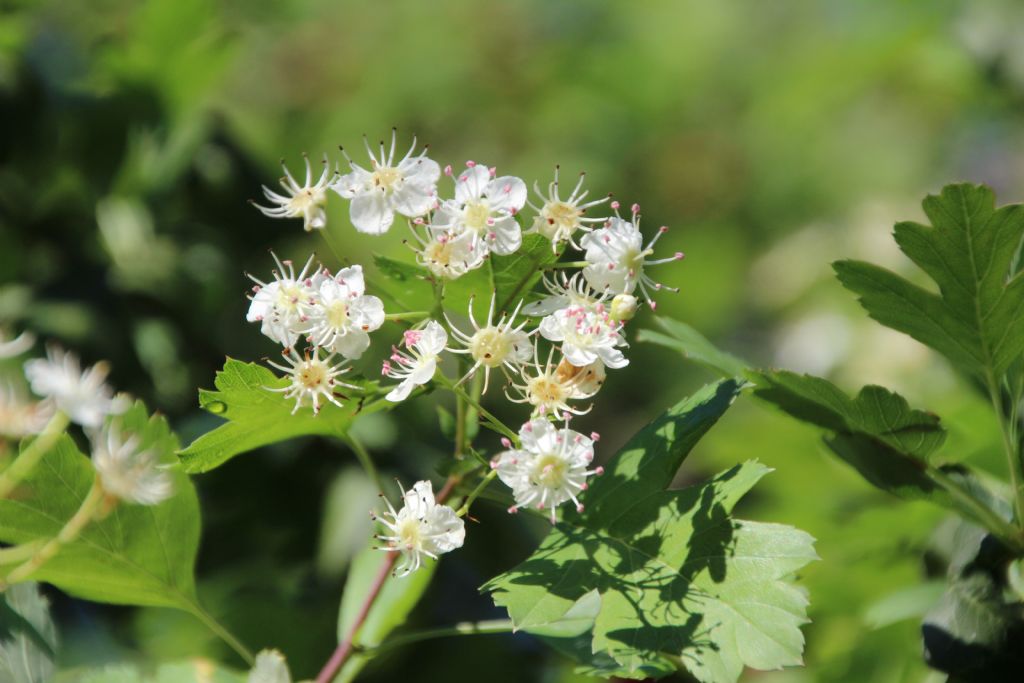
367, 312
401, 392
472, 183
433, 339
506, 193
413, 200
551, 328
370, 213
424, 371
351, 344
581, 357
508, 237
612, 357
351, 184
352, 279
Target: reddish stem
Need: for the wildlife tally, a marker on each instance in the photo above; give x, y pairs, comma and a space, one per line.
344, 649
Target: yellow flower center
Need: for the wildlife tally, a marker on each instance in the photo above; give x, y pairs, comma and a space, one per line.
546, 390
475, 216
558, 217
387, 178
549, 471
312, 374
409, 533
289, 297
337, 315
490, 346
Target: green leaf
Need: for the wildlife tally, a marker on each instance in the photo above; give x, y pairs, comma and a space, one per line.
977, 319
389, 611
515, 275
28, 639
693, 345
192, 671
137, 555
405, 284
681, 583
257, 416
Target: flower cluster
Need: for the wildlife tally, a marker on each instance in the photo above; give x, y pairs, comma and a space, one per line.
127, 471
552, 349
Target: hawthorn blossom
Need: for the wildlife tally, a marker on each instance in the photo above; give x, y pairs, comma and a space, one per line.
283, 305
549, 468
565, 291
484, 208
584, 381
616, 258
623, 307
558, 219
417, 365
9, 348
408, 187
496, 344
127, 471
20, 417
312, 378
422, 528
83, 395
341, 314
304, 201
586, 336
447, 256
549, 389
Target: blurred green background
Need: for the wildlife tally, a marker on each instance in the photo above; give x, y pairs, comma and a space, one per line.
773, 137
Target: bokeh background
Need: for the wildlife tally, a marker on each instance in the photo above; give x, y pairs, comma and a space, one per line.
773, 137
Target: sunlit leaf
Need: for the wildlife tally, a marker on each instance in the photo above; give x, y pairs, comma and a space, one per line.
28, 639
693, 345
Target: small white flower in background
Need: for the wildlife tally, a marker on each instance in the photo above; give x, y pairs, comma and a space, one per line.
549, 468
484, 208
422, 528
269, 667
312, 378
549, 389
496, 344
304, 201
586, 335
408, 187
282, 306
128, 473
449, 257
20, 417
565, 291
9, 348
417, 365
342, 315
83, 396
616, 258
558, 219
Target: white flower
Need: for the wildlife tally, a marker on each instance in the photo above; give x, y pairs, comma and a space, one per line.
549, 468
312, 378
128, 473
84, 396
584, 380
418, 364
484, 208
558, 219
306, 201
565, 292
586, 335
449, 257
421, 528
342, 315
616, 258
269, 667
9, 348
282, 306
20, 417
408, 187
549, 388
496, 344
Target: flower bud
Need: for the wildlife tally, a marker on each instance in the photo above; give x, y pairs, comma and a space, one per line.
624, 307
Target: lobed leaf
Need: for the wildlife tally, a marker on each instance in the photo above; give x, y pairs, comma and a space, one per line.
681, 583
969, 251
28, 638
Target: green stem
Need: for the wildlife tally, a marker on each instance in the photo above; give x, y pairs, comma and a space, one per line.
27, 460
19, 553
412, 316
493, 626
498, 425
364, 458
1005, 531
71, 530
221, 632
475, 493
566, 264
1011, 446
